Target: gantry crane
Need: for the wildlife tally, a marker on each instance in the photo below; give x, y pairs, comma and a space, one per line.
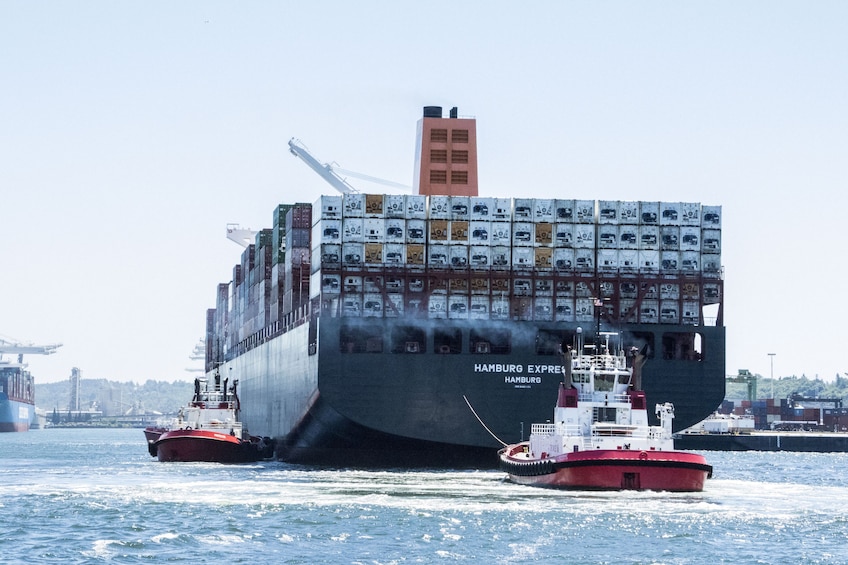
21, 349
745, 377
198, 354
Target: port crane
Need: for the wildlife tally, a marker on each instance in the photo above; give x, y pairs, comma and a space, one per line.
745, 377
21, 349
332, 173
198, 354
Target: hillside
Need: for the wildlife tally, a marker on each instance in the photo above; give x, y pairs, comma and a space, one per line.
116, 398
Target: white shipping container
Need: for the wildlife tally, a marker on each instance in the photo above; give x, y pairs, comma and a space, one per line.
437, 306
502, 209
500, 309
543, 210
393, 306
372, 283
690, 214
373, 230
457, 307
481, 208
670, 238
607, 260
393, 284
416, 207
458, 256
627, 311
711, 263
608, 236
522, 257
649, 312
479, 232
628, 290
501, 255
353, 284
501, 233
649, 213
670, 291
353, 253
352, 230
330, 207
712, 293
690, 238
628, 212
372, 305
669, 312
328, 255
584, 236
711, 217
459, 207
690, 261
394, 254
628, 260
353, 206
669, 261
416, 231
395, 231
584, 211
564, 310
584, 310
670, 214
480, 256
608, 212
523, 234
563, 259
584, 260
649, 261
352, 305
479, 308
628, 237
327, 231
711, 241
564, 288
564, 234
394, 206
330, 284
523, 210
691, 315
543, 308
649, 237
438, 255
439, 208
522, 287
563, 210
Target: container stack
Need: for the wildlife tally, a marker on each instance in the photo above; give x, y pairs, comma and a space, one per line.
460, 257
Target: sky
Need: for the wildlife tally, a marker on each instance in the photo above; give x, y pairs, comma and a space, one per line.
131, 133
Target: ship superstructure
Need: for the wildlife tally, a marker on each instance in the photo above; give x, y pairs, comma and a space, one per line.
430, 322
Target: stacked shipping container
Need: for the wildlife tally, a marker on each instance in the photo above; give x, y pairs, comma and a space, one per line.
372, 255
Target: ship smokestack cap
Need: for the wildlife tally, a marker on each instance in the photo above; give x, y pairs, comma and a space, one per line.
432, 111
454, 112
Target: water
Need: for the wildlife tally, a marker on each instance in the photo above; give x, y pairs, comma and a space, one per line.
96, 496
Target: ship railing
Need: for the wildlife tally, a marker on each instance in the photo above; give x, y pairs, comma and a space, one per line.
616, 398
559, 428
618, 430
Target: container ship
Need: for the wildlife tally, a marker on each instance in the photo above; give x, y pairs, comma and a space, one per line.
17, 387
424, 329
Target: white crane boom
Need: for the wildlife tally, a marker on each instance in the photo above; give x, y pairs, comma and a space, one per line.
326, 171
21, 349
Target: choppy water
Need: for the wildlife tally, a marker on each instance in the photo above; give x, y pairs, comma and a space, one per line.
92, 496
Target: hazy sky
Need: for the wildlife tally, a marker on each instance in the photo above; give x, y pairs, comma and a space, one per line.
131, 133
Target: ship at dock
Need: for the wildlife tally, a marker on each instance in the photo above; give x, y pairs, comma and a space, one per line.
17, 386
423, 329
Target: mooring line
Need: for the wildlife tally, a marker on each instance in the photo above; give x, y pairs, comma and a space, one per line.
481, 422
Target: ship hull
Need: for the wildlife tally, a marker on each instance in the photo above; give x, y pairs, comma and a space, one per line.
15, 416
673, 471
331, 400
205, 446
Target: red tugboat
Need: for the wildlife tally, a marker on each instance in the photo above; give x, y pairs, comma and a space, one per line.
208, 429
600, 437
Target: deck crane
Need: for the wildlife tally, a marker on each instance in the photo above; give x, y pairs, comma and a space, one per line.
332, 173
21, 349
